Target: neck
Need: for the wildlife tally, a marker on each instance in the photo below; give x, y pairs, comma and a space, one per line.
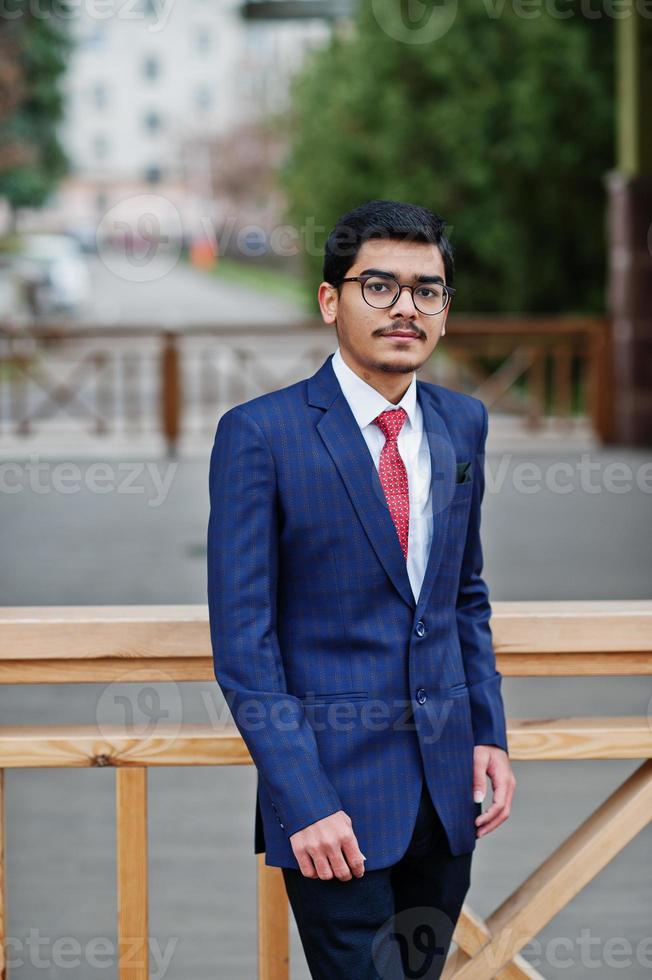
392, 385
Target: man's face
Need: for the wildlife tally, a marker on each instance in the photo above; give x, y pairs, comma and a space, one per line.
363, 331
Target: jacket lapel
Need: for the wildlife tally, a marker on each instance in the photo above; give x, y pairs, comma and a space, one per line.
350, 453
443, 474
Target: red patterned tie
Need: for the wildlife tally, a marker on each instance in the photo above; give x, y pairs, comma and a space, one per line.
392, 472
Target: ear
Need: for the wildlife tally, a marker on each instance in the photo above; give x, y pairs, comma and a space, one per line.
443, 322
328, 299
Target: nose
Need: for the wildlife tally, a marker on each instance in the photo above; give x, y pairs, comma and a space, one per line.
404, 306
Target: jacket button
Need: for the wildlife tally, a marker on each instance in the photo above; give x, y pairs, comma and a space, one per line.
420, 628
421, 695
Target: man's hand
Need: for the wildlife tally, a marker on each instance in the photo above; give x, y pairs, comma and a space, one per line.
328, 848
489, 760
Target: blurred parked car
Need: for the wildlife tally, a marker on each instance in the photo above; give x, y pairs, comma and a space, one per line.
53, 274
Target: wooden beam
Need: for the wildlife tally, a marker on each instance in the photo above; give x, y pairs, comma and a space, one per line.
580, 738
83, 746
105, 669
471, 934
54, 644
86, 746
92, 632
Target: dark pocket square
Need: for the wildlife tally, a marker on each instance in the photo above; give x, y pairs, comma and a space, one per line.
464, 472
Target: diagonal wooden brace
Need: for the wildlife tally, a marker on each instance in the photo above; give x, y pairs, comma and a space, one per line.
471, 934
561, 876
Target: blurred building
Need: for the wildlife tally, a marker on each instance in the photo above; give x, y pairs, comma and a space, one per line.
151, 89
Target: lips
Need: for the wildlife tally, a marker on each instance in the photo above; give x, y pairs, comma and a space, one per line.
401, 333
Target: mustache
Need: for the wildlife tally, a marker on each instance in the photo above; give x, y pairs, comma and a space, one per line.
402, 325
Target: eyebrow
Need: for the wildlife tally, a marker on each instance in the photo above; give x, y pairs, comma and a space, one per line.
394, 275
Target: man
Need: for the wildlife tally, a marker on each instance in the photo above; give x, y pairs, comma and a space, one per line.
349, 618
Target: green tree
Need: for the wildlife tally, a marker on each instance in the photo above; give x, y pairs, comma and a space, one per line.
503, 125
34, 43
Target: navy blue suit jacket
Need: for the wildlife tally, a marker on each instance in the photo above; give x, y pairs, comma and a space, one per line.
345, 690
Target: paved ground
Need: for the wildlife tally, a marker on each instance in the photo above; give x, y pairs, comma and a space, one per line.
141, 547
167, 293
178, 296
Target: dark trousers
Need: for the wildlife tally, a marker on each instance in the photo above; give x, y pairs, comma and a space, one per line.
391, 924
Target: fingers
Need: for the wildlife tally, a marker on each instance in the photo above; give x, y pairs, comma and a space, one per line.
479, 779
354, 857
504, 784
332, 865
306, 867
341, 859
329, 849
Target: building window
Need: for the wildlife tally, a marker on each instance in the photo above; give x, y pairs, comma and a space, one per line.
153, 174
101, 147
95, 38
203, 97
153, 122
203, 41
99, 95
151, 67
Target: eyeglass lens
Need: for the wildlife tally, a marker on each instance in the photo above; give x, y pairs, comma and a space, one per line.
381, 292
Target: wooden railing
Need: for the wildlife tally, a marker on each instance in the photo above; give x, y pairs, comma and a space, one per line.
66, 645
138, 381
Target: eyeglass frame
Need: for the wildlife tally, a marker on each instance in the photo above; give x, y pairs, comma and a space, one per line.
374, 275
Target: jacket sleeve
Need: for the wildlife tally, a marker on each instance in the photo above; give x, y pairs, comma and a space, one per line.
242, 589
473, 613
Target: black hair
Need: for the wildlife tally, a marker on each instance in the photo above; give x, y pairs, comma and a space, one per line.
393, 220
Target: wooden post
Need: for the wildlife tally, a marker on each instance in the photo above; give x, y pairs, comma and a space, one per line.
600, 386
536, 388
131, 823
170, 391
563, 385
103, 392
273, 948
3, 896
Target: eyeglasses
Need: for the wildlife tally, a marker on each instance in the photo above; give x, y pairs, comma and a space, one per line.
381, 292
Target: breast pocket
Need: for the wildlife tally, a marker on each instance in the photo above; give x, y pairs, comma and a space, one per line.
464, 473
462, 491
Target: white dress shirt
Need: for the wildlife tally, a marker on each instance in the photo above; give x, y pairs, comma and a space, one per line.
367, 403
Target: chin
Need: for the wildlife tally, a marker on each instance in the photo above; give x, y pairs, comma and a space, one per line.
400, 366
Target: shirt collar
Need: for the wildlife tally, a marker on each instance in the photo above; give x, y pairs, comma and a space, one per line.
365, 401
